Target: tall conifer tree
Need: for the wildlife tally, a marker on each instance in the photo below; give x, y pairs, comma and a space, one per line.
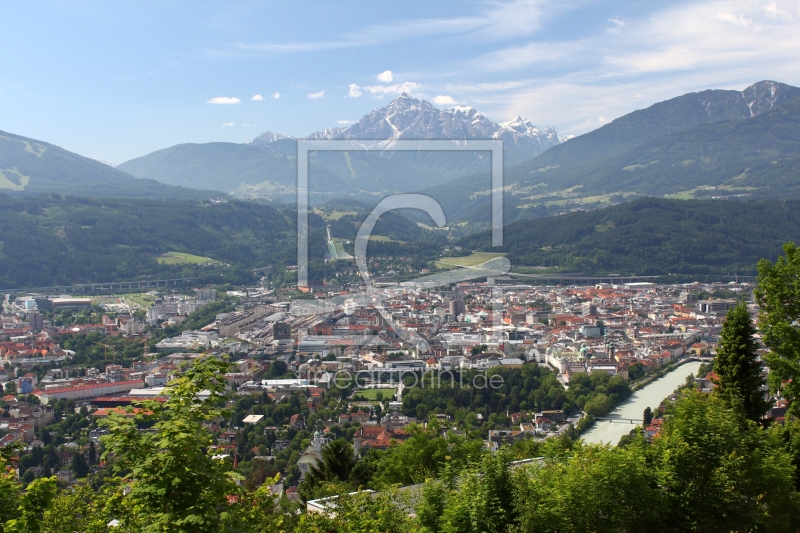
740, 381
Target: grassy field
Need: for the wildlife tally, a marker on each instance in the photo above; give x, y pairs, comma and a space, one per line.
341, 253
371, 394
334, 215
474, 259
692, 194
140, 298
383, 238
175, 258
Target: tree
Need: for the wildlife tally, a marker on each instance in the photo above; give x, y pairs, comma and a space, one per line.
37, 497
336, 464
647, 417
10, 492
481, 499
79, 509
79, 465
740, 381
92, 453
778, 297
720, 472
175, 482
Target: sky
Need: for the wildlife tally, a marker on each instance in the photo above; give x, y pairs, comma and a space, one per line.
118, 80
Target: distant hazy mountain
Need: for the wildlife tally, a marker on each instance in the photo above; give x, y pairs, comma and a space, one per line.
29, 166
266, 165
742, 144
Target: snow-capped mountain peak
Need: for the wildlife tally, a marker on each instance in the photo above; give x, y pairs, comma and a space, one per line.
406, 117
269, 137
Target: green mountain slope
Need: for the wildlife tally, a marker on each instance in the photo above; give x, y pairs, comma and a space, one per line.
742, 157
652, 236
712, 155
48, 241
664, 118
29, 166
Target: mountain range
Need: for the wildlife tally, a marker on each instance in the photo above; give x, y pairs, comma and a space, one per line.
265, 166
711, 144
732, 144
29, 166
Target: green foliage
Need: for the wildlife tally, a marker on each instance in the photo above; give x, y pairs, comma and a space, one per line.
481, 499
721, 472
80, 509
10, 489
778, 297
33, 504
175, 483
737, 366
337, 464
425, 455
79, 465
710, 471
461, 396
360, 513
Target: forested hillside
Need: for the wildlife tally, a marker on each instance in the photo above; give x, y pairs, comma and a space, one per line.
50, 240
30, 166
654, 236
47, 240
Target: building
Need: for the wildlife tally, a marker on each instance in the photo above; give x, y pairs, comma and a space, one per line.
206, 295
88, 391
709, 307
281, 331
36, 322
588, 309
157, 379
457, 307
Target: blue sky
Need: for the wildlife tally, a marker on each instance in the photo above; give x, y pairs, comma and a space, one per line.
116, 80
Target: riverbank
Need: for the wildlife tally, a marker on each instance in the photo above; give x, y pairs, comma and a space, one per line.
649, 393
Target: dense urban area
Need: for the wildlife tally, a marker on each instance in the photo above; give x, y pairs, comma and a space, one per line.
327, 395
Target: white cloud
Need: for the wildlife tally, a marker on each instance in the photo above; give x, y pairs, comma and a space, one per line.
616, 26
497, 21
392, 90
355, 91
257, 97
344, 122
386, 76
228, 124
249, 126
224, 100
736, 20
443, 99
542, 53
315, 96
276, 96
